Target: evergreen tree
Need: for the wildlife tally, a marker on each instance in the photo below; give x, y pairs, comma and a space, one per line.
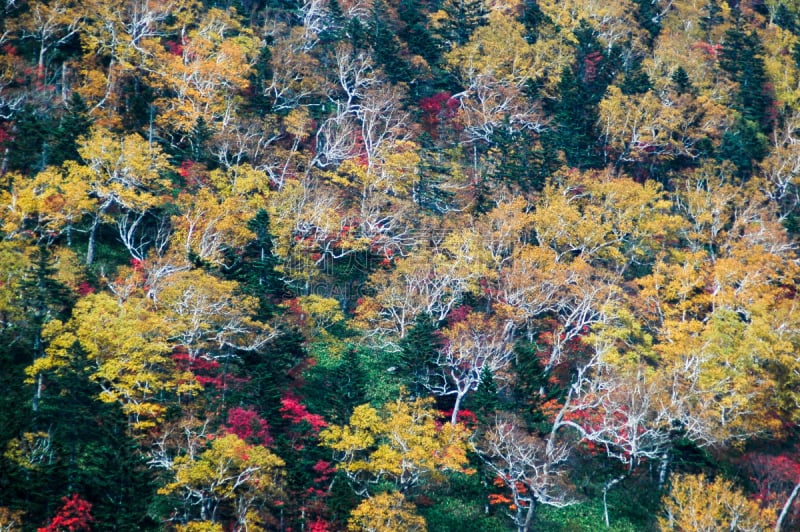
519, 158
463, 18
418, 350
95, 456
270, 371
415, 33
636, 80
785, 18
580, 89
254, 269
649, 16
338, 386
44, 299
28, 149
711, 17
74, 123
335, 23
681, 81
744, 145
742, 57
385, 45
532, 17
485, 401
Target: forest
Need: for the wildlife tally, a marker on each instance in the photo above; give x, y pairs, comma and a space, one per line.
399, 265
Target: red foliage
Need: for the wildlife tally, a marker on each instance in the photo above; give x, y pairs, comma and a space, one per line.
458, 314
74, 516
324, 470
4, 135
440, 104
712, 50
435, 108
185, 167
206, 370
590, 63
464, 417
248, 425
319, 525
137, 265
296, 412
175, 48
84, 289
773, 477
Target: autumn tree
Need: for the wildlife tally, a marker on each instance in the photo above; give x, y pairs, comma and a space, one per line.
228, 482
695, 503
403, 446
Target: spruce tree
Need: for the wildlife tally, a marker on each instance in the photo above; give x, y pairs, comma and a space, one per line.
463, 18
681, 81
742, 57
418, 351
28, 149
74, 123
581, 88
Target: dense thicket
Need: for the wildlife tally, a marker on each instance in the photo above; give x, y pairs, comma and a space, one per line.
382, 265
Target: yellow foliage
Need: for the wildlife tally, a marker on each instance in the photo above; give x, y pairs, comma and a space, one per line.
602, 217
229, 472
209, 225
696, 505
203, 79
10, 520
402, 444
200, 526
497, 50
320, 312
30, 451
613, 21
386, 512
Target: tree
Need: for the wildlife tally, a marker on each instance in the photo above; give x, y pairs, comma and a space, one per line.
456, 21
742, 57
472, 346
694, 503
494, 81
402, 445
530, 467
201, 75
74, 124
126, 173
386, 512
128, 346
229, 482
51, 25
75, 515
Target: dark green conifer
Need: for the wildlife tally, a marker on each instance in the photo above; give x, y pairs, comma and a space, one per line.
75, 123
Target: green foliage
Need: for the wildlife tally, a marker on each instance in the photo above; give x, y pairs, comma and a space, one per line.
462, 18
335, 204
742, 58
418, 351
28, 150
74, 123
744, 145
580, 90
586, 516
460, 505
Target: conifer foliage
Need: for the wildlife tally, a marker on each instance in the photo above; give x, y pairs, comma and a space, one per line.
392, 265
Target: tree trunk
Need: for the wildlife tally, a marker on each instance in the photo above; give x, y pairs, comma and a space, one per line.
526, 526
456, 408
92, 240
663, 468
610, 484
786, 507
